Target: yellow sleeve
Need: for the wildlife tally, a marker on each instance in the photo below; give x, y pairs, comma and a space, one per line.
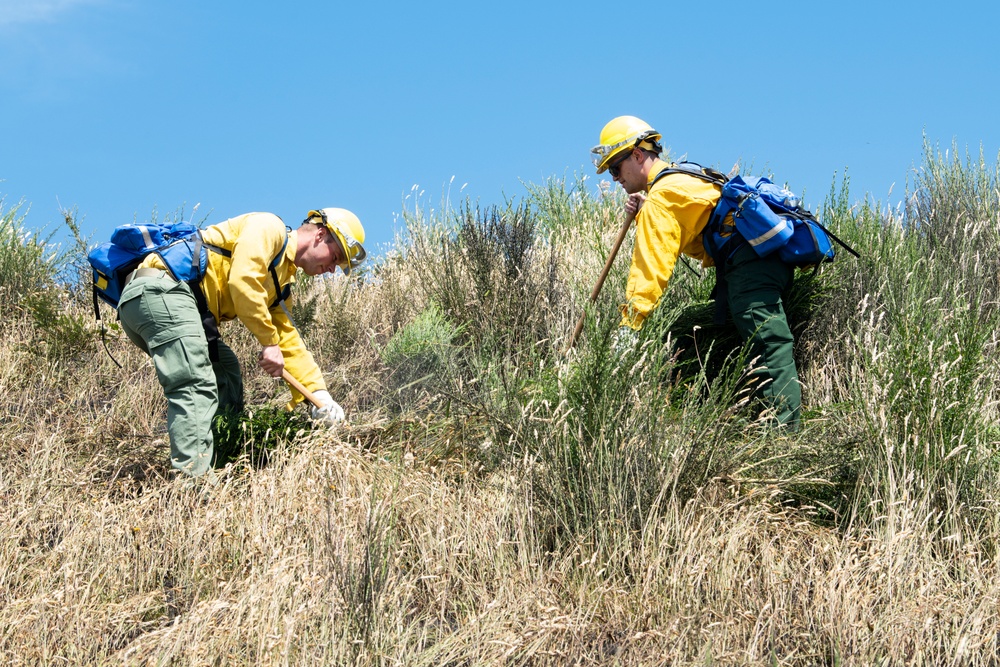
657, 246
668, 221
298, 360
259, 242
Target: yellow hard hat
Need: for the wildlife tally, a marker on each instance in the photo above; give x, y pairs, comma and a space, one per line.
622, 134
347, 229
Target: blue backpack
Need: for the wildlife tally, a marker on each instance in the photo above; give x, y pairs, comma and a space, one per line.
177, 245
767, 217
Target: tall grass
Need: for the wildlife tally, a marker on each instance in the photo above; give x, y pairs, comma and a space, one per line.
29, 262
494, 500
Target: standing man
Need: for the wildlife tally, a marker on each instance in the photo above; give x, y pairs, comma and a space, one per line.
671, 213
252, 260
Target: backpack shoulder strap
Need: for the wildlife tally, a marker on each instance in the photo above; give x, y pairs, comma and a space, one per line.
280, 293
277, 258
706, 174
219, 250
693, 169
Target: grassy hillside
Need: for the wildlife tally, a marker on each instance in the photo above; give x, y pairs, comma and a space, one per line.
495, 501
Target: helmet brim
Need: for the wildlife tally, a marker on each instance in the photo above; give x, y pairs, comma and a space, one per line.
345, 245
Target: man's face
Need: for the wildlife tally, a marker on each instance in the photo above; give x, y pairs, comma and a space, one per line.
627, 173
322, 255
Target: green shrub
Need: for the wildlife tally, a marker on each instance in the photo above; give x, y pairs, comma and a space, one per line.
908, 335
421, 355
489, 272
29, 262
255, 432
564, 208
66, 331
76, 274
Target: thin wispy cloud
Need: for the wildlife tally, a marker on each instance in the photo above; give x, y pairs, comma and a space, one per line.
13, 12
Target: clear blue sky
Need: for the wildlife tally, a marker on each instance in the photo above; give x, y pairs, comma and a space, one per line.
118, 107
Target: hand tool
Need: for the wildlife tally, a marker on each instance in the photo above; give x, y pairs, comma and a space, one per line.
600, 281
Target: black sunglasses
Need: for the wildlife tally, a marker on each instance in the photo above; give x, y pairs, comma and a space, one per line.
616, 168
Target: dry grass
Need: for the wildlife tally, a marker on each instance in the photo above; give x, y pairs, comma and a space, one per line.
525, 508
333, 555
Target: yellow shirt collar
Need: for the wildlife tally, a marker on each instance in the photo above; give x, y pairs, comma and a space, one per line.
654, 171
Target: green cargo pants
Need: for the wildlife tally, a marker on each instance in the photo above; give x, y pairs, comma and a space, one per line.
756, 288
160, 315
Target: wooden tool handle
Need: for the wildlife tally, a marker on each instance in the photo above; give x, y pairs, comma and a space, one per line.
600, 281
299, 388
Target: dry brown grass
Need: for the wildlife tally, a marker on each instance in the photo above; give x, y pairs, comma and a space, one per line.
340, 552
333, 555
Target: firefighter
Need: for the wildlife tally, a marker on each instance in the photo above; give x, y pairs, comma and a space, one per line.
252, 261
670, 216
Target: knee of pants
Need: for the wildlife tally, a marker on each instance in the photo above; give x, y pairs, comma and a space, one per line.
763, 322
183, 362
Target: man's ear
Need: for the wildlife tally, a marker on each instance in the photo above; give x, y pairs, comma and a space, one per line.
322, 234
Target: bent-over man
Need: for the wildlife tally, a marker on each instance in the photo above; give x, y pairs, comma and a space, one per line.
252, 261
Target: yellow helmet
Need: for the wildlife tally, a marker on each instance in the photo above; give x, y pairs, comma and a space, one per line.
347, 229
620, 135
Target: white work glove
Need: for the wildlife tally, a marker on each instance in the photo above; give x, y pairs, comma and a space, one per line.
331, 413
624, 340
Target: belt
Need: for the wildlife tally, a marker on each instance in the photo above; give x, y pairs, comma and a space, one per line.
147, 273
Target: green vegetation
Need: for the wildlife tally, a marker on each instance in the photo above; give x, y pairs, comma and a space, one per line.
252, 435
495, 500
29, 263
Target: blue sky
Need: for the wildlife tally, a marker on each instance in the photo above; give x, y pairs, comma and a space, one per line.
118, 107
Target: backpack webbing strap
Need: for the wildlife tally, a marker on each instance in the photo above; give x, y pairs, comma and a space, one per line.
219, 250
693, 169
208, 322
104, 339
281, 293
835, 238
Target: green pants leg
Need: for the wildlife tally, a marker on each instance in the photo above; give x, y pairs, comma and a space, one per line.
161, 317
756, 289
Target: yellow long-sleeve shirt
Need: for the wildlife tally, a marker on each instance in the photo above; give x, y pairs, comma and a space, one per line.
241, 286
676, 210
